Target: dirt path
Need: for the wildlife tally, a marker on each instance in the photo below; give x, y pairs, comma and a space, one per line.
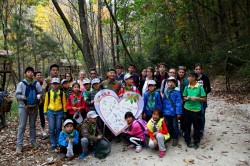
226, 142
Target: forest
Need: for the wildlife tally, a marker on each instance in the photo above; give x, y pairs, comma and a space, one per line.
102, 33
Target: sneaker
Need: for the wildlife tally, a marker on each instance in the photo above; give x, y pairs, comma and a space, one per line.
196, 145
175, 142
35, 145
189, 144
132, 146
138, 149
53, 146
162, 153
18, 150
64, 155
43, 132
83, 155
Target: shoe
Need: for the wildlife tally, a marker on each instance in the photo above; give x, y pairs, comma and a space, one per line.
189, 144
132, 146
201, 135
35, 145
162, 153
175, 142
83, 155
18, 150
138, 149
196, 145
117, 140
64, 155
53, 146
43, 132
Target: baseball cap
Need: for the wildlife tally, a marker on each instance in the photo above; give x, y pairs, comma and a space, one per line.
67, 121
95, 81
193, 74
64, 80
86, 81
127, 76
171, 79
151, 82
55, 80
91, 114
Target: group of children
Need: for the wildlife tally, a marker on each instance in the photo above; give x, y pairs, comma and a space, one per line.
64, 101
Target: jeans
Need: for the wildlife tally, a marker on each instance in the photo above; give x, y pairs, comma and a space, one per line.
192, 118
160, 140
55, 125
88, 145
172, 124
203, 118
41, 114
23, 116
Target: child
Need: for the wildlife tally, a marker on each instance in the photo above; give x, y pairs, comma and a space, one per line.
26, 93
193, 95
158, 132
87, 88
75, 103
152, 99
172, 109
55, 110
134, 135
96, 87
65, 87
129, 85
90, 134
68, 135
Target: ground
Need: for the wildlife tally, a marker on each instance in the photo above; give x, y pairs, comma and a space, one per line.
226, 142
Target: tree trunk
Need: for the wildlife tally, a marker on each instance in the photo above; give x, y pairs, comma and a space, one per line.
112, 42
100, 36
116, 36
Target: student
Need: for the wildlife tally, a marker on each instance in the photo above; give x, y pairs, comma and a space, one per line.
203, 80
87, 87
119, 73
134, 135
55, 110
182, 77
172, 109
193, 95
26, 93
142, 79
158, 132
152, 99
65, 87
136, 77
38, 77
162, 75
128, 86
54, 71
75, 103
68, 134
90, 134
150, 76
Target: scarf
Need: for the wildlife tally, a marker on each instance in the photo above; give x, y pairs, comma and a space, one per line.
169, 91
30, 81
155, 126
75, 99
93, 127
151, 101
55, 94
70, 135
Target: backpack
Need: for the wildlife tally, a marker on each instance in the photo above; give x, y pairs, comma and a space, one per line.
143, 125
30, 93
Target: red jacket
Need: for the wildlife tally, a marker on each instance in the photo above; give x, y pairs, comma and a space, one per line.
80, 103
164, 130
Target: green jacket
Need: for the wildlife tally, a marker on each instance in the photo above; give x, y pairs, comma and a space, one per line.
89, 130
112, 85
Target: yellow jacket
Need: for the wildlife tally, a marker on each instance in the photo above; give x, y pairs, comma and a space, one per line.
54, 106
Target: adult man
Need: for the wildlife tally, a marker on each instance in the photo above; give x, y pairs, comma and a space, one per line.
136, 77
54, 71
161, 75
119, 73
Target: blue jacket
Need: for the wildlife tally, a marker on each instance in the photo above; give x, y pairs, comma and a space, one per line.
155, 104
63, 135
168, 109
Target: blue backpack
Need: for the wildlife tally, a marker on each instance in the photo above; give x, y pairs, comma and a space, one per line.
30, 93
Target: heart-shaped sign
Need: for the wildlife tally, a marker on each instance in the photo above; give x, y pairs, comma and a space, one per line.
112, 109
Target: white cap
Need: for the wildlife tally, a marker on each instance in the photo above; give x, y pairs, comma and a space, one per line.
127, 76
171, 79
91, 114
64, 80
95, 81
151, 82
86, 81
55, 80
67, 121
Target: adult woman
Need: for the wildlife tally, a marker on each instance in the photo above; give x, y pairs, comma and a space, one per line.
82, 76
182, 77
150, 76
69, 78
142, 79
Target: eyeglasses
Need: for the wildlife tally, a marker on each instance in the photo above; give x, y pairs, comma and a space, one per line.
92, 73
